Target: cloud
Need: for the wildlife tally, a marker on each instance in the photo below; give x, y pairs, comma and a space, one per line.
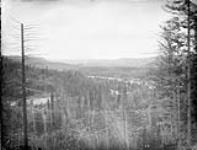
105, 29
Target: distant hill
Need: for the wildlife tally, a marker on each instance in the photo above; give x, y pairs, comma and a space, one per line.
74, 64
44, 63
123, 62
126, 68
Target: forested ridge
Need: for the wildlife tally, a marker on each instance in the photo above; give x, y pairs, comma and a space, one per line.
72, 99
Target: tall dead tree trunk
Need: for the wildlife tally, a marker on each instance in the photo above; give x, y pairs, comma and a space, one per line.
178, 115
24, 89
1, 103
52, 110
188, 80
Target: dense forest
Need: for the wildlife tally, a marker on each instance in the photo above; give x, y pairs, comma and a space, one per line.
153, 108
94, 112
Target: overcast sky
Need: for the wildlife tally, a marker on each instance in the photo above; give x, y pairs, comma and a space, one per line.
85, 29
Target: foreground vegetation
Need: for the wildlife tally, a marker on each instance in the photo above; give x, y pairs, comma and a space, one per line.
79, 112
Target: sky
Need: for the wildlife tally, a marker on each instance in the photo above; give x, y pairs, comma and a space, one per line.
83, 29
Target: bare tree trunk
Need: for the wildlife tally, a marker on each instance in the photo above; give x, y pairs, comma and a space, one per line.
33, 117
44, 121
178, 116
188, 82
1, 103
52, 110
125, 129
24, 89
106, 126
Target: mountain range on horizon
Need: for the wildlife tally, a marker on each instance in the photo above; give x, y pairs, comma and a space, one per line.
121, 68
120, 62
61, 64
